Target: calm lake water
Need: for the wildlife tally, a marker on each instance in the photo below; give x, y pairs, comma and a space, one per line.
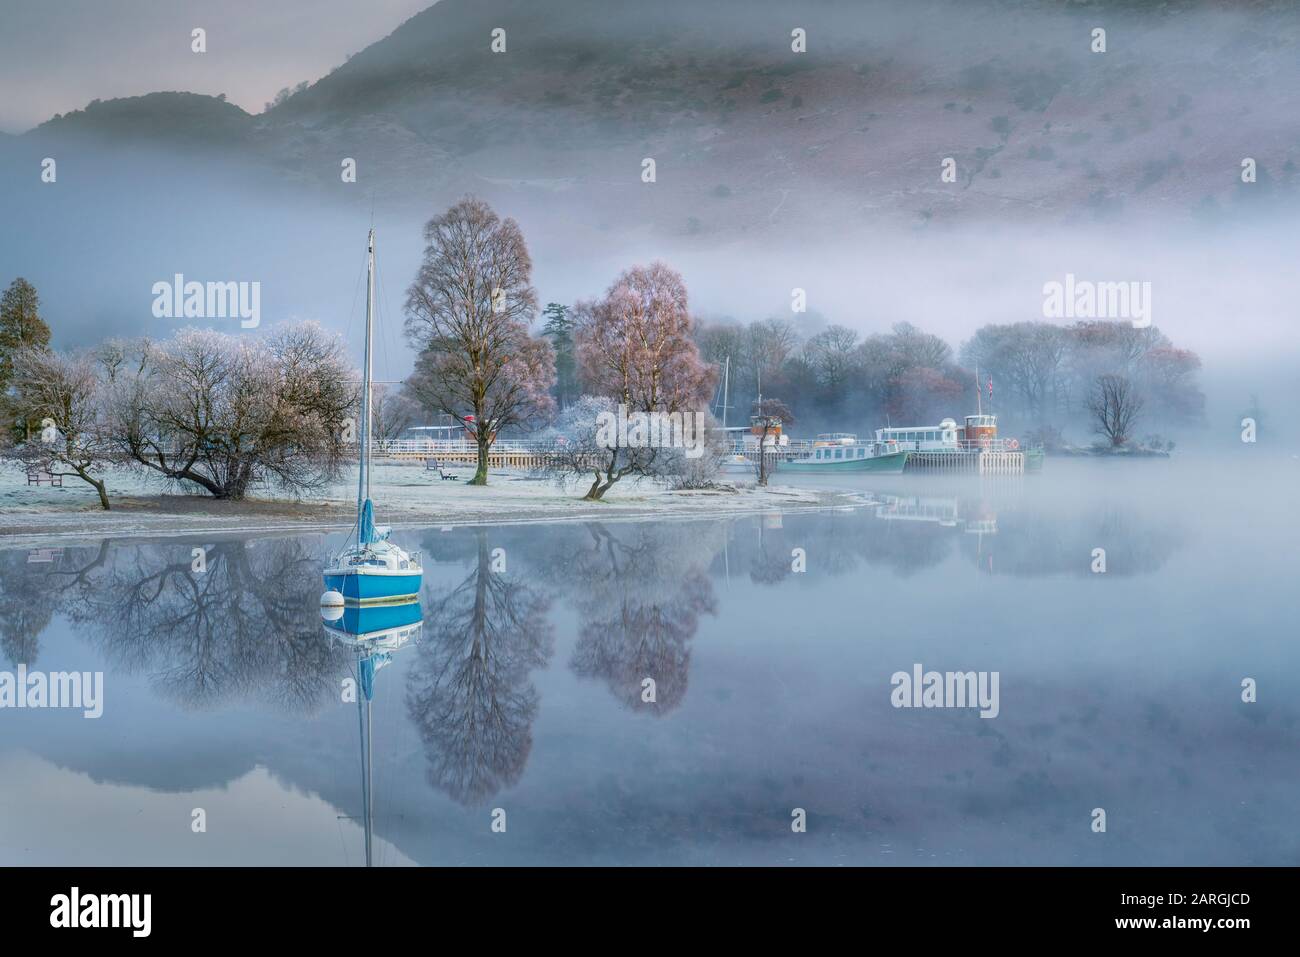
524, 689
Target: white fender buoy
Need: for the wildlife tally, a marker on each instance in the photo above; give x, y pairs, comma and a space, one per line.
331, 606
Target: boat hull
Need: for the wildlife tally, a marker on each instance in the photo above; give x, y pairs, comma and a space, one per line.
361, 624
890, 464
373, 584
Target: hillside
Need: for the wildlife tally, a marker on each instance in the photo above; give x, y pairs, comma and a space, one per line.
748, 135
182, 120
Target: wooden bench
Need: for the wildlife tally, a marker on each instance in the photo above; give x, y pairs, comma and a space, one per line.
431, 465
38, 475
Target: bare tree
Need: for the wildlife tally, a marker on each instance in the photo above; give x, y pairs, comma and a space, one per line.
62, 393
469, 310
225, 412
1026, 358
768, 416
575, 450
768, 344
636, 348
1115, 406
831, 353
392, 413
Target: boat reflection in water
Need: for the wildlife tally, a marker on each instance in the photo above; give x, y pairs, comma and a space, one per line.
975, 516
373, 633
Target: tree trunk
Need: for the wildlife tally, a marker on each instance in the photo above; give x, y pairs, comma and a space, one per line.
233, 488
598, 488
186, 473
482, 438
209, 486
98, 485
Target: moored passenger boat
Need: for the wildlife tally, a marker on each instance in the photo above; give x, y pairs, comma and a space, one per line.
973, 447
842, 452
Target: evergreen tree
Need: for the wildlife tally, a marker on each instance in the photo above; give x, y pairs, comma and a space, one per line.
21, 327
559, 329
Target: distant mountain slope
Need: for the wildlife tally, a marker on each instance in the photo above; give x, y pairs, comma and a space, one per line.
174, 119
748, 135
737, 122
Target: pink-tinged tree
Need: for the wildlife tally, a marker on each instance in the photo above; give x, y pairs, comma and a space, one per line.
468, 310
636, 347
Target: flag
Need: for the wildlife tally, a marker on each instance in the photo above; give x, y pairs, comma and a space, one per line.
990, 388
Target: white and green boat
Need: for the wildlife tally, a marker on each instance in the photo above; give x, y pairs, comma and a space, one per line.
842, 452
973, 447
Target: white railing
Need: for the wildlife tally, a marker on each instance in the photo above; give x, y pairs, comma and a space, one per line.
436, 447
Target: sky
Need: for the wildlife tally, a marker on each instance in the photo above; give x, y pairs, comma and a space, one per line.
115, 48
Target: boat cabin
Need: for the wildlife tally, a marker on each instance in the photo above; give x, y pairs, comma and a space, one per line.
922, 438
835, 438
837, 453
980, 431
754, 434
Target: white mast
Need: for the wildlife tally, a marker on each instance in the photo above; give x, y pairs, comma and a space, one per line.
370, 784
726, 381
363, 714
363, 481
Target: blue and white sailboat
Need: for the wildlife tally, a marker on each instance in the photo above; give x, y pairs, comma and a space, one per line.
371, 568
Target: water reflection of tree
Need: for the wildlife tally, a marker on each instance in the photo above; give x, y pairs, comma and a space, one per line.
245, 628
640, 592
28, 596
773, 561
468, 691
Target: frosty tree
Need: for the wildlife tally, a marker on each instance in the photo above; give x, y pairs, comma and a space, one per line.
635, 348
468, 311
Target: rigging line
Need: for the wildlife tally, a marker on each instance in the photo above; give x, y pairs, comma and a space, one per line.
381, 311
352, 313
393, 332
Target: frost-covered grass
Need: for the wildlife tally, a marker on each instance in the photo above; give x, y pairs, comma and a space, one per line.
404, 493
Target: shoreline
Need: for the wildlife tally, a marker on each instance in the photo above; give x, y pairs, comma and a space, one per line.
175, 516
